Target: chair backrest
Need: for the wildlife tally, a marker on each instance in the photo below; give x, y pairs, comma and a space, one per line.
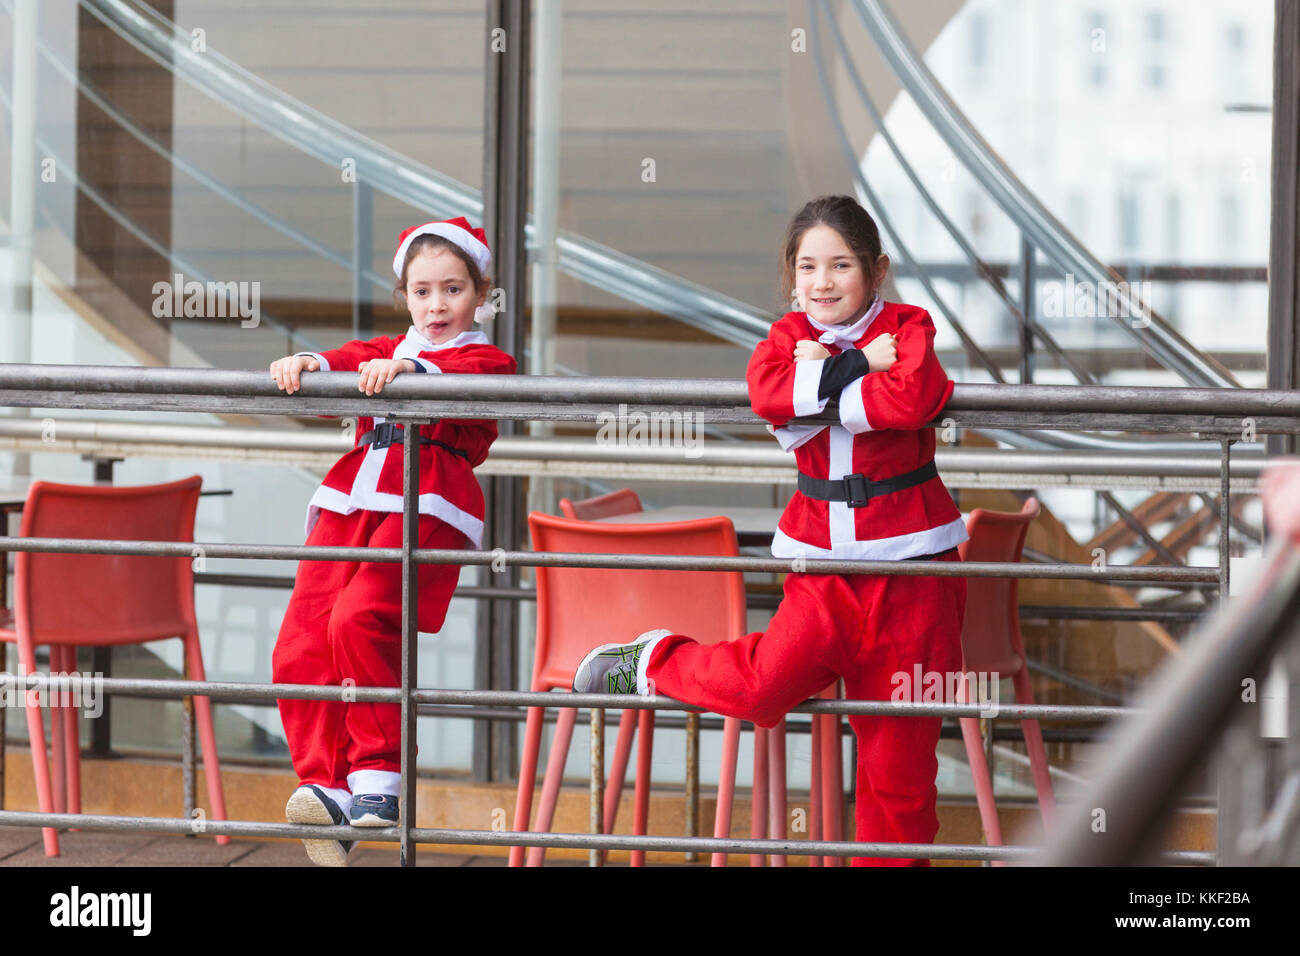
621, 502
990, 635
580, 608
91, 599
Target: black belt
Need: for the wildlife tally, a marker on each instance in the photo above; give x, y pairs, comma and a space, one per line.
390, 433
858, 490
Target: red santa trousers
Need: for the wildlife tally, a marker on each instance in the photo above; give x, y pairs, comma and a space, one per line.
344, 621
866, 629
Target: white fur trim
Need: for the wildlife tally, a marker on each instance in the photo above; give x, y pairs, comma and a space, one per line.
427, 365
643, 682
480, 253
324, 362
375, 781
844, 336
365, 496
930, 541
807, 379
790, 437
840, 463
413, 343
853, 414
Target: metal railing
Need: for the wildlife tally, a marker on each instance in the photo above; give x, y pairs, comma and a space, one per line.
1214, 414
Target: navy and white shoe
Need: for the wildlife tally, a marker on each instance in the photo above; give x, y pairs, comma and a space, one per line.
310, 804
613, 668
374, 810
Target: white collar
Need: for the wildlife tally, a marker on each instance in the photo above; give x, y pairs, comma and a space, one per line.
842, 336
468, 337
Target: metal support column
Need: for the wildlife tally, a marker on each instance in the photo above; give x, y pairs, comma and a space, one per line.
505, 194
410, 635
1028, 310
1284, 239
22, 194
363, 234
596, 810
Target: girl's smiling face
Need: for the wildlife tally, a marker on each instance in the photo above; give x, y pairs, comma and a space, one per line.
440, 296
832, 285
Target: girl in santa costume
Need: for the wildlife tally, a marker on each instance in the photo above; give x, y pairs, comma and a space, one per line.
868, 490
344, 620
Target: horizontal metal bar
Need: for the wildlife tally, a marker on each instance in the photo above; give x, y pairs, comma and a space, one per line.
507, 838
557, 559
757, 454
244, 691
85, 380
1066, 612
1028, 612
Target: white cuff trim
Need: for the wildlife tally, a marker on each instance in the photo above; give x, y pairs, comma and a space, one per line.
853, 414
642, 682
426, 365
898, 548
791, 437
807, 380
324, 362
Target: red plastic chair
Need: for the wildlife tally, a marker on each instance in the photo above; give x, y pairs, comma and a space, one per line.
621, 502
68, 601
991, 644
578, 608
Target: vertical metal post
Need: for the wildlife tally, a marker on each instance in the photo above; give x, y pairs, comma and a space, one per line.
363, 215
1028, 308
596, 809
410, 643
22, 193
1284, 238
187, 744
505, 197
692, 780
101, 662
4, 666
1225, 523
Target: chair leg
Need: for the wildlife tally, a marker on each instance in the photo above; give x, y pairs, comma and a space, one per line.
527, 778
815, 790
832, 782
758, 815
207, 736
72, 740
776, 828
644, 750
726, 784
40, 762
979, 770
58, 730
554, 777
1037, 754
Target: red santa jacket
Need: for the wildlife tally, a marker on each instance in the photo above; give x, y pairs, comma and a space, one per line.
370, 478
880, 435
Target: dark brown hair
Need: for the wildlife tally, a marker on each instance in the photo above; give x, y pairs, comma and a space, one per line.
845, 216
426, 243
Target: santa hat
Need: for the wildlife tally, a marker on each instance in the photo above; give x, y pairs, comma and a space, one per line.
459, 231
466, 237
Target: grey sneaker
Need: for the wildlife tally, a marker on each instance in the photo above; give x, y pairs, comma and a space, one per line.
612, 668
310, 804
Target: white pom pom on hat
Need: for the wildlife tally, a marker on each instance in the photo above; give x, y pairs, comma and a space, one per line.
458, 230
